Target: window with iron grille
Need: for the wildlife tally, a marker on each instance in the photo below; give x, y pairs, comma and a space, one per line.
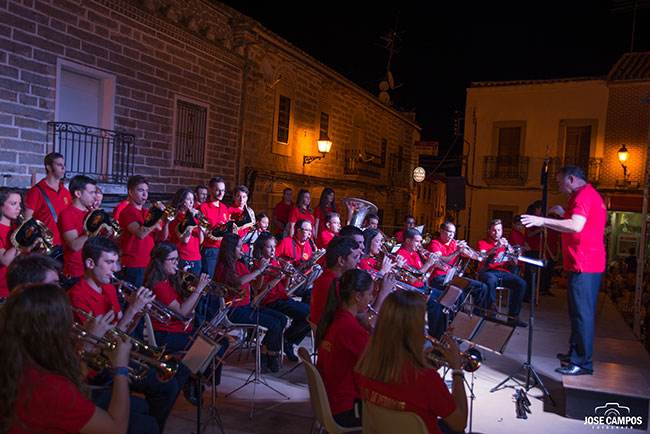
191, 122
284, 112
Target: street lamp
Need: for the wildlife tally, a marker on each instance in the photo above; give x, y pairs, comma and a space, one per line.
324, 146
622, 158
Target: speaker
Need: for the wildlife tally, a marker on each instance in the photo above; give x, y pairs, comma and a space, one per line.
455, 193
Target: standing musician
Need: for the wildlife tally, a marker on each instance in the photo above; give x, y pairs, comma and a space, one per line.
392, 371
217, 214
41, 373
300, 211
409, 222
495, 271
137, 240
120, 207
277, 297
95, 295
232, 272
326, 205
49, 197
281, 213
99, 197
340, 340
9, 212
239, 206
189, 242
71, 224
330, 228
200, 194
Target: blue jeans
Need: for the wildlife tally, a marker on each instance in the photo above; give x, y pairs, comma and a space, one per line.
139, 420
273, 320
478, 290
582, 294
209, 260
298, 312
516, 284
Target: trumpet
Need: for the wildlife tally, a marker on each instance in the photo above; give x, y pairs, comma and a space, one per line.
270, 270
398, 284
158, 310
406, 271
470, 361
214, 288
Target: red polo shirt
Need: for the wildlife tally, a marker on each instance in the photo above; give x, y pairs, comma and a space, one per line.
516, 238
488, 244
295, 215
318, 215
585, 251
534, 241
400, 236
319, 295
281, 212
5, 243
445, 250
216, 215
294, 250
220, 275
166, 294
190, 251
413, 259
277, 292
49, 403
135, 251
84, 297
338, 353
60, 200
118, 209
72, 219
324, 238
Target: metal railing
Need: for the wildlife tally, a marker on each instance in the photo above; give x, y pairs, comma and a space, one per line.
106, 155
505, 170
355, 166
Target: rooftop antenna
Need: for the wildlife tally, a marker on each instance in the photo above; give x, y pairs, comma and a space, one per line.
390, 40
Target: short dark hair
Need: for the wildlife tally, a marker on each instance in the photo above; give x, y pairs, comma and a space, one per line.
408, 217
339, 247
260, 216
79, 182
372, 216
30, 268
241, 188
287, 189
299, 223
95, 246
136, 180
350, 231
410, 233
215, 180
446, 223
572, 170
199, 187
49, 159
330, 215
516, 219
495, 222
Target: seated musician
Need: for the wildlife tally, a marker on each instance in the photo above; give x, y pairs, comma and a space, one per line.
300, 211
41, 372
9, 211
137, 240
449, 251
340, 340
95, 295
495, 273
331, 226
189, 242
277, 298
32, 268
373, 241
232, 272
356, 234
262, 224
409, 222
392, 371
298, 249
71, 224
49, 197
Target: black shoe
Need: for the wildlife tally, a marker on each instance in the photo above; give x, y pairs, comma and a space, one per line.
264, 365
573, 370
273, 363
516, 323
288, 351
189, 391
564, 358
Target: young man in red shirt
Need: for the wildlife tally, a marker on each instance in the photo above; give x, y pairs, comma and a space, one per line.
372, 221
200, 194
137, 240
71, 220
409, 222
51, 188
517, 238
495, 272
217, 214
583, 253
298, 249
332, 226
281, 213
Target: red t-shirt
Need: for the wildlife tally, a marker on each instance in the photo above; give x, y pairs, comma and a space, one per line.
294, 250
445, 250
135, 251
5, 243
324, 238
338, 353
488, 244
190, 251
400, 236
220, 275
216, 215
72, 219
166, 294
277, 292
60, 200
534, 241
516, 238
118, 209
585, 251
295, 215
318, 215
420, 391
319, 295
281, 212
84, 297
553, 241
49, 403
413, 259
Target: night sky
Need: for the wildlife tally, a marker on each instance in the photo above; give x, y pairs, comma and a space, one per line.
445, 45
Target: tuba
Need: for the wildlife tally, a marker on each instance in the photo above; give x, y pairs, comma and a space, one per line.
33, 234
99, 222
358, 209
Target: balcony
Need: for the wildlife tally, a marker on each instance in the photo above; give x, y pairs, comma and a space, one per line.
105, 155
591, 167
355, 166
505, 170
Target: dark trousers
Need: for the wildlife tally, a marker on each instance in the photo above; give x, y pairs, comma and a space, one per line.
582, 294
209, 260
479, 291
273, 320
194, 266
530, 273
140, 422
515, 284
298, 312
133, 275
436, 318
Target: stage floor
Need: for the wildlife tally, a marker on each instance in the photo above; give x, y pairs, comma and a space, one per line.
493, 412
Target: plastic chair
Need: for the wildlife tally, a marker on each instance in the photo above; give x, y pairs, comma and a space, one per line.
379, 420
500, 290
148, 332
318, 398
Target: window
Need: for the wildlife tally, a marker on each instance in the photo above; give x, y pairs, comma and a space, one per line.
283, 135
503, 212
506, 164
284, 114
509, 141
190, 134
324, 125
577, 146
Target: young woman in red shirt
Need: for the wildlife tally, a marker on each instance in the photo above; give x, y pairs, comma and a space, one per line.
300, 211
326, 205
188, 242
340, 340
41, 375
9, 211
393, 373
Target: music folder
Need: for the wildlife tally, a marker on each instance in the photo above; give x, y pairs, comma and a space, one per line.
489, 335
453, 291
201, 353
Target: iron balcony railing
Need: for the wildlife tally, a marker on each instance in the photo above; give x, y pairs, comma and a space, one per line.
591, 167
106, 155
354, 165
505, 170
